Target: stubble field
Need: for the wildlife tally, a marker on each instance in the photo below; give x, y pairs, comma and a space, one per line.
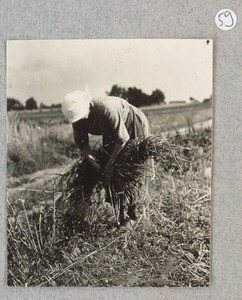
169, 245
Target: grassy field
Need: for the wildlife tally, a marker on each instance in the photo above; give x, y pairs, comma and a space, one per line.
45, 143
169, 245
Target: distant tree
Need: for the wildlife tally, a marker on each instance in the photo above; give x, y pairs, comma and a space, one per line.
14, 104
157, 96
117, 91
31, 104
208, 100
193, 100
58, 105
42, 105
135, 96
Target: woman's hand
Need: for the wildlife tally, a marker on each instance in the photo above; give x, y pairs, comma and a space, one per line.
108, 170
87, 153
95, 165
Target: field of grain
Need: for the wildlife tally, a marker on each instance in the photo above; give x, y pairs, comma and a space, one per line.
169, 245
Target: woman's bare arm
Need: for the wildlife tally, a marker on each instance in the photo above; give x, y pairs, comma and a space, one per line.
117, 149
108, 170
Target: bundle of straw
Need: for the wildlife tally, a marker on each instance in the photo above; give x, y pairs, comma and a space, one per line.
82, 181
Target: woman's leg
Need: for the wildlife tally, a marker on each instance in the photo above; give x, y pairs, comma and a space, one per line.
121, 209
108, 145
131, 212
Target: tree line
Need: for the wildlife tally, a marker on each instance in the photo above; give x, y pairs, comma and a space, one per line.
30, 104
133, 95
136, 96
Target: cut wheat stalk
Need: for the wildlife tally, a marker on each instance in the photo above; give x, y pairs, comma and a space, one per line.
29, 227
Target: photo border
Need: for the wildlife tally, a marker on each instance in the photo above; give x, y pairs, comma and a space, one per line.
73, 19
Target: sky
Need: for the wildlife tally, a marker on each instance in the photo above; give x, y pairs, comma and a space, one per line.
49, 69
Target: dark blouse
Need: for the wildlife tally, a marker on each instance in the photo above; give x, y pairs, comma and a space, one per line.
113, 118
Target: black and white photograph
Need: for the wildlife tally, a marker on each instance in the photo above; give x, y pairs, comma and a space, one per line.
109, 162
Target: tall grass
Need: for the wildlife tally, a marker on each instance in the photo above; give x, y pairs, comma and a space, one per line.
33, 146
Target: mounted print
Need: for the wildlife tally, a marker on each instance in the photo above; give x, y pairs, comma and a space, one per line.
109, 156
